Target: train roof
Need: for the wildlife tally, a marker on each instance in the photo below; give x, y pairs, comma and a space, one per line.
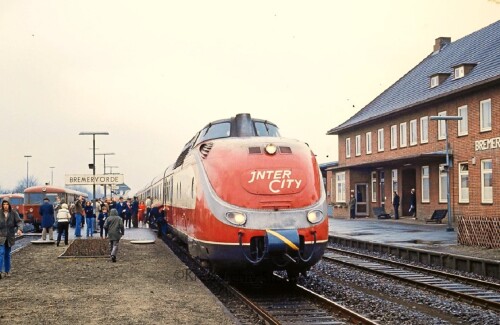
53, 189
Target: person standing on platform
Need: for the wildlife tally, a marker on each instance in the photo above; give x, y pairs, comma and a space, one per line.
352, 207
115, 228
102, 219
128, 212
46, 211
395, 204
140, 214
9, 221
148, 209
120, 208
135, 211
413, 204
89, 218
78, 217
63, 218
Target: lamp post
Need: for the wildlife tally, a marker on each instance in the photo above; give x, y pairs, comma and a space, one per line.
27, 168
447, 168
52, 175
93, 134
105, 154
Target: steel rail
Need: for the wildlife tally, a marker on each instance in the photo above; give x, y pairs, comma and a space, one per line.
420, 281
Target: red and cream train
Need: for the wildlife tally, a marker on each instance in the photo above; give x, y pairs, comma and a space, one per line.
242, 197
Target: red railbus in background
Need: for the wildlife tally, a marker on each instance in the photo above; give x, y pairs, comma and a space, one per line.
16, 201
34, 196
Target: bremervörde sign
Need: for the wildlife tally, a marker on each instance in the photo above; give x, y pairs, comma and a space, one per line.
79, 179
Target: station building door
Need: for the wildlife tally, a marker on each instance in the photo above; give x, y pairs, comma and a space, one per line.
361, 193
409, 182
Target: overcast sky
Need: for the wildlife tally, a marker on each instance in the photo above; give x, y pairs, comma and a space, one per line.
153, 73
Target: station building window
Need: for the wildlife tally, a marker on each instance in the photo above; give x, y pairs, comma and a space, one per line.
394, 177
340, 186
413, 132
463, 183
463, 123
442, 127
374, 186
486, 181
425, 184
358, 145
443, 184
394, 136
368, 142
402, 135
380, 140
459, 72
348, 148
485, 115
424, 129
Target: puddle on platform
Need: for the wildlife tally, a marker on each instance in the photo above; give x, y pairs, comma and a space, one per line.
360, 234
417, 241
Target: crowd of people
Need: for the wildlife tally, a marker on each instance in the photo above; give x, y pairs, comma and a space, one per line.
109, 217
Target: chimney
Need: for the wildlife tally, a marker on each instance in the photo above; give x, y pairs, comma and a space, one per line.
441, 42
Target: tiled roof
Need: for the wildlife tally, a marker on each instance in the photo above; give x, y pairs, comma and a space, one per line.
481, 48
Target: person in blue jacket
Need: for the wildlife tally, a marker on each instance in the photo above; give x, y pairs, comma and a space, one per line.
46, 211
89, 218
102, 219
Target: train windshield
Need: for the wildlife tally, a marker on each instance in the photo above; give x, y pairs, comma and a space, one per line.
37, 198
215, 131
266, 130
16, 201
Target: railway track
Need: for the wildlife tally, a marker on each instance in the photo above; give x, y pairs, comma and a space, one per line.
282, 303
477, 292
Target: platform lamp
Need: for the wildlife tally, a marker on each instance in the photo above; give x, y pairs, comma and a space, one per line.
447, 167
104, 155
27, 168
93, 134
52, 175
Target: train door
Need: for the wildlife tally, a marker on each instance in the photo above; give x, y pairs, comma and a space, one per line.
361, 199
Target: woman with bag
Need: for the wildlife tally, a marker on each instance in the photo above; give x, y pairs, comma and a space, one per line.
9, 221
63, 217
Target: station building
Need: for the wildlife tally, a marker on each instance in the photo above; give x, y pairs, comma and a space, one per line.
393, 145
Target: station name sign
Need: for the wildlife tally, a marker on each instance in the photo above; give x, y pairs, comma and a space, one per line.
112, 179
486, 144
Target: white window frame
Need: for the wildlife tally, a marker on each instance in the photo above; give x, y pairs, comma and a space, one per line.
425, 180
424, 129
394, 136
434, 81
486, 191
374, 186
340, 187
368, 143
485, 111
348, 147
394, 180
413, 133
358, 145
463, 124
380, 142
459, 72
441, 127
463, 173
443, 184
403, 140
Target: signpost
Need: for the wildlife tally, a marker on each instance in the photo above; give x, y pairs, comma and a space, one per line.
80, 179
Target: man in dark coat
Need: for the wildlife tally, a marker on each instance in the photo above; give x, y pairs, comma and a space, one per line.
395, 204
115, 228
413, 204
135, 211
47, 213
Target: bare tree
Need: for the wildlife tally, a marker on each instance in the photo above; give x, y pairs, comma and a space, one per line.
21, 184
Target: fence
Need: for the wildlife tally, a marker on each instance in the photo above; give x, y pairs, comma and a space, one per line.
479, 231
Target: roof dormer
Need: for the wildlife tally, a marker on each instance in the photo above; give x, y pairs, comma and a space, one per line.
461, 70
437, 79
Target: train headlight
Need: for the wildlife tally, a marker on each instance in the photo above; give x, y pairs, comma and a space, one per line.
314, 216
236, 218
271, 149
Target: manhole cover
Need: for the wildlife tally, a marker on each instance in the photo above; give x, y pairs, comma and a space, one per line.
142, 241
43, 242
